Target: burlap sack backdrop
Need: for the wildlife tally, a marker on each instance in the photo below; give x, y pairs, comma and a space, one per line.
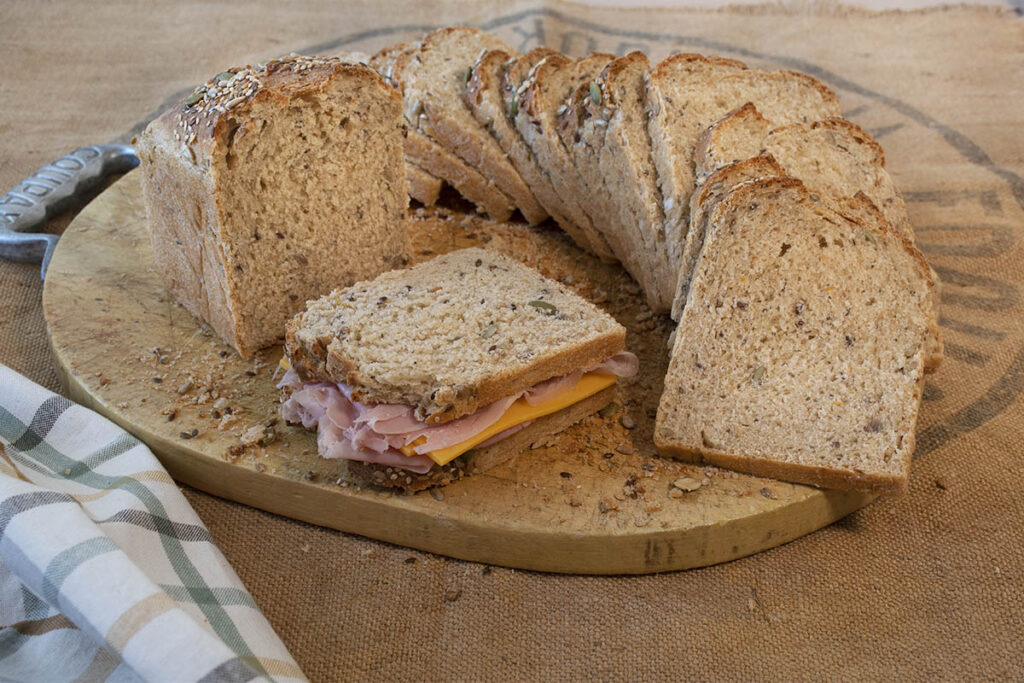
927, 584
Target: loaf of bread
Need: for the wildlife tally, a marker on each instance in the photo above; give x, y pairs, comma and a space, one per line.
271, 185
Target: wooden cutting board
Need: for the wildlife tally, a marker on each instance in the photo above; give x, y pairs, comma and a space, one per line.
593, 500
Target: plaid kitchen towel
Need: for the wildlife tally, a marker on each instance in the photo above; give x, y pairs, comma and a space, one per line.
106, 572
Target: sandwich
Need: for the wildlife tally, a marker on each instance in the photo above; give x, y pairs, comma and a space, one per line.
450, 367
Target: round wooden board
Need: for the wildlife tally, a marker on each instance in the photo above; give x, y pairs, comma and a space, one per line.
593, 500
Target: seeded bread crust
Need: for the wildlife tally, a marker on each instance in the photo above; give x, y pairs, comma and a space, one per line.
800, 354
424, 152
688, 93
423, 187
540, 98
479, 460
492, 78
246, 270
450, 335
433, 79
605, 127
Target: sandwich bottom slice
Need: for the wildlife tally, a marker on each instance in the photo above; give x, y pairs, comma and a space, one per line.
447, 368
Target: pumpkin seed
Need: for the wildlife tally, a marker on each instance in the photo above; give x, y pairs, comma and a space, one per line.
513, 108
595, 93
224, 76
489, 331
193, 98
758, 373
543, 306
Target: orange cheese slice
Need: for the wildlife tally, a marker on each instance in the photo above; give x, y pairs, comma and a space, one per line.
520, 412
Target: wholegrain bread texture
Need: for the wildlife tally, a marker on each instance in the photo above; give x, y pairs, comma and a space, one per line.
450, 335
605, 127
834, 156
427, 154
689, 92
272, 185
480, 460
423, 186
541, 99
433, 78
490, 96
707, 195
800, 353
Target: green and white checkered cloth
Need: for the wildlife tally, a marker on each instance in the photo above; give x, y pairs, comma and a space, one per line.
106, 572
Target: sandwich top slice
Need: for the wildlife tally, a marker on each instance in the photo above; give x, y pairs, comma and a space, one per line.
421, 374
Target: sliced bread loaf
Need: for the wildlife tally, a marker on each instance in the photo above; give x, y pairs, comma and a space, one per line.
269, 186
433, 78
800, 353
605, 127
427, 154
687, 93
477, 326
541, 99
490, 95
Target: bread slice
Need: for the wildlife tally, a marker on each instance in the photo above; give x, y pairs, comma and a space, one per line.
800, 353
427, 154
250, 208
705, 198
834, 156
542, 98
423, 187
450, 335
433, 78
605, 127
490, 96
687, 93
480, 460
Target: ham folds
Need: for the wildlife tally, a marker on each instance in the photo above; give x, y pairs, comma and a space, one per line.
376, 433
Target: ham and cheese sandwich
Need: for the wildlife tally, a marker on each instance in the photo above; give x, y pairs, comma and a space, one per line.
449, 367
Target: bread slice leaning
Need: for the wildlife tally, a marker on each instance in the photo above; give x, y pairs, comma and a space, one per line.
714, 188
427, 154
541, 99
800, 353
433, 78
490, 95
450, 335
605, 127
833, 155
687, 93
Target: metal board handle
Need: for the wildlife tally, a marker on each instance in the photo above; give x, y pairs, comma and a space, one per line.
51, 190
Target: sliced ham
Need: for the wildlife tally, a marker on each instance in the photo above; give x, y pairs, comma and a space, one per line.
375, 433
